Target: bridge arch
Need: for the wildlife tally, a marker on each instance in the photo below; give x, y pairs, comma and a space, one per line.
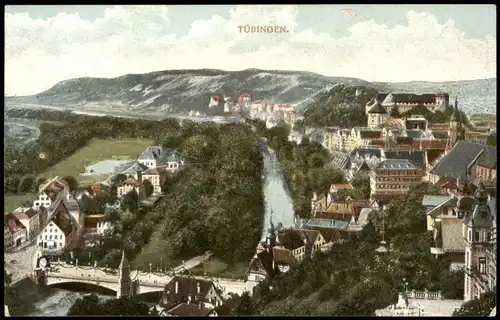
81, 284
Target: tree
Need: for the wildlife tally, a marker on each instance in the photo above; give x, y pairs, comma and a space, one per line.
72, 183
11, 184
361, 188
478, 307
130, 202
88, 305
87, 205
26, 183
491, 140
120, 178
244, 307
91, 305
322, 178
148, 187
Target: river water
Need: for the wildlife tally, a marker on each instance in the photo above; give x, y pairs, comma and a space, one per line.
58, 302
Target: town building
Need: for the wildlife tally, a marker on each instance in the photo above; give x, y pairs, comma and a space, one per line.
189, 290
8, 239
393, 178
154, 157
61, 230
131, 184
30, 219
377, 115
403, 102
95, 225
156, 176
467, 160
17, 230
445, 219
50, 191
477, 232
456, 131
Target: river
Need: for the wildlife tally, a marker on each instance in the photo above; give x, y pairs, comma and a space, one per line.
57, 302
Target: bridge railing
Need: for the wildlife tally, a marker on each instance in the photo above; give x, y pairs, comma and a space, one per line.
100, 279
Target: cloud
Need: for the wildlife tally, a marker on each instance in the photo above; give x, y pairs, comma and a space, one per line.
138, 39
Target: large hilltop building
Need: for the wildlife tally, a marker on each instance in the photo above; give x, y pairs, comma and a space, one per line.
404, 102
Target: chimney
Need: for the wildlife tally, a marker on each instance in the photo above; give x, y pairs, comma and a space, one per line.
176, 287
198, 288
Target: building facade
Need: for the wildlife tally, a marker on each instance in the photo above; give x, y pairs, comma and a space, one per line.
479, 246
394, 177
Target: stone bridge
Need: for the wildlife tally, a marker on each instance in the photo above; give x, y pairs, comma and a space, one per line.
145, 281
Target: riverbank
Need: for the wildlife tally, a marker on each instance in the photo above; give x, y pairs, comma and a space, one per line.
21, 296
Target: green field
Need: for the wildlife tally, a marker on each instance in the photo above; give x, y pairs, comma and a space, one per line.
97, 150
218, 269
11, 202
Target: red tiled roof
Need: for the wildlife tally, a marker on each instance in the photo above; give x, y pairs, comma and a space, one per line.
23, 214
133, 182
53, 187
13, 223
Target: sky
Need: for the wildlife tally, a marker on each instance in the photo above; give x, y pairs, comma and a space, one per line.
47, 44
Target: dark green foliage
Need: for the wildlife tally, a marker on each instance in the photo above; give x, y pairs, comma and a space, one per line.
339, 107
478, 307
90, 305
208, 205
130, 202
352, 279
148, 188
245, 306
72, 183
27, 184
491, 140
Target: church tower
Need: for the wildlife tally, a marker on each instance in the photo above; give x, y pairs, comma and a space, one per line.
477, 234
271, 237
456, 130
124, 282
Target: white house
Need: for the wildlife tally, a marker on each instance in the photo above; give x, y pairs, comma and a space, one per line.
129, 185
49, 192
155, 177
52, 237
30, 219
152, 157
96, 225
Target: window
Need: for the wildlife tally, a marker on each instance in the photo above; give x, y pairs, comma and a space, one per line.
60, 244
50, 237
470, 235
45, 237
50, 230
476, 236
482, 265
488, 236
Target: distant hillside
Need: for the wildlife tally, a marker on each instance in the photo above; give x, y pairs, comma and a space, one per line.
179, 91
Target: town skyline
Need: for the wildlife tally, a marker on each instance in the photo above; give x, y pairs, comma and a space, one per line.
48, 44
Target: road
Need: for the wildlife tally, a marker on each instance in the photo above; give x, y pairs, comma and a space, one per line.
19, 264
